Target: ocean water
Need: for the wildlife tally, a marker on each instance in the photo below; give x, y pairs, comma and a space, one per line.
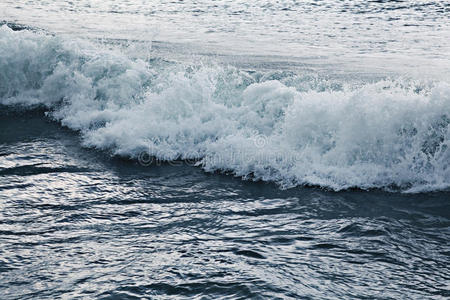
224, 149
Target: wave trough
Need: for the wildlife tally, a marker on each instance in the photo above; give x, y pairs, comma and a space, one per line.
391, 134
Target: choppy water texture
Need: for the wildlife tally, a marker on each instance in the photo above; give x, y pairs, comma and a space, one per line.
78, 224
223, 150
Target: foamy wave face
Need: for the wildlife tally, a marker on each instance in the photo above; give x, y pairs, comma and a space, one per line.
381, 135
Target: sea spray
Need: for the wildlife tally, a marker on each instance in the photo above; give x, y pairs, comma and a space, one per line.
390, 134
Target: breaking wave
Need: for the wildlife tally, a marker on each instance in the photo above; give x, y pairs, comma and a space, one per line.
285, 128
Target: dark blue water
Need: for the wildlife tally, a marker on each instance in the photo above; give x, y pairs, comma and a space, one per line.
76, 223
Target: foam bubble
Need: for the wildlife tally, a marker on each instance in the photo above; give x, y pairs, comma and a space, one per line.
388, 134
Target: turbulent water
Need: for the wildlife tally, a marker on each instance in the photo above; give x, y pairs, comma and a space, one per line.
245, 149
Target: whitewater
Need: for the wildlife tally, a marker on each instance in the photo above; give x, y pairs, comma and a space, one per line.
224, 149
290, 128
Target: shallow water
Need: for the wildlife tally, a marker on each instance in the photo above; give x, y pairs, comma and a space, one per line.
76, 223
293, 28
226, 150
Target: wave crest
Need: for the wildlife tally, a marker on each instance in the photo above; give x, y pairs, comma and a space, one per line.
388, 134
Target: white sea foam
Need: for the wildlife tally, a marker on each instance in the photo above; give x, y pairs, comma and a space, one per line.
388, 134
